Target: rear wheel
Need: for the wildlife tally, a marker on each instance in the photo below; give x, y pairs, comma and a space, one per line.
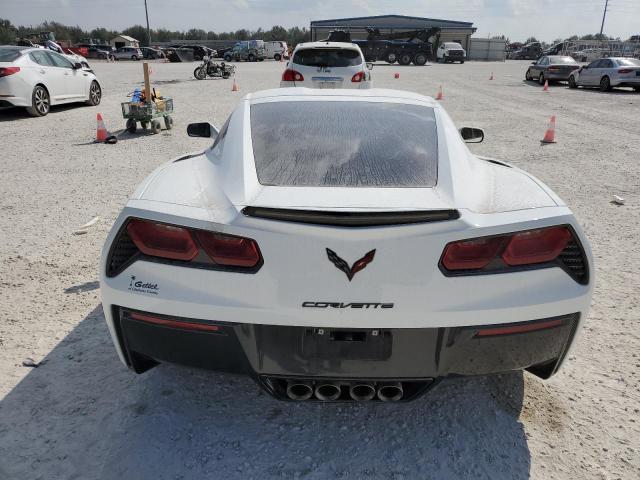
390, 57
541, 78
131, 125
420, 59
95, 94
572, 82
605, 84
251, 57
277, 57
405, 59
227, 58
134, 57
155, 126
168, 122
40, 102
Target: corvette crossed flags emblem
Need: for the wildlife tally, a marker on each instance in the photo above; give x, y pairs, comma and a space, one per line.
344, 266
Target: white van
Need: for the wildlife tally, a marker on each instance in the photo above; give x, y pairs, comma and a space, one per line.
276, 50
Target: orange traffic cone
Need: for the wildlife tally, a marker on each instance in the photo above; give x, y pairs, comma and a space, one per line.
550, 134
101, 133
396, 75
546, 86
491, 77
440, 95
234, 87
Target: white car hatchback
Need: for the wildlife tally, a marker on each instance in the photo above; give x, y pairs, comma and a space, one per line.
327, 65
37, 78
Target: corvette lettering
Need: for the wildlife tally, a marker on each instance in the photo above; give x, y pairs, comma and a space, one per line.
345, 305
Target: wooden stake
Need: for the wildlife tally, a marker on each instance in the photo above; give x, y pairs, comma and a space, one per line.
147, 83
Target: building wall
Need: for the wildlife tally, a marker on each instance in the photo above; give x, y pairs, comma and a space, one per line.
487, 49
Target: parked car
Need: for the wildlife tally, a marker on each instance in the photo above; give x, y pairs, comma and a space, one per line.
451, 52
276, 50
151, 53
249, 51
36, 78
607, 73
344, 247
128, 53
102, 52
327, 65
588, 54
531, 51
199, 51
551, 68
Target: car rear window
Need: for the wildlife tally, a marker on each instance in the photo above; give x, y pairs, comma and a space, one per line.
344, 144
628, 62
9, 54
556, 60
327, 57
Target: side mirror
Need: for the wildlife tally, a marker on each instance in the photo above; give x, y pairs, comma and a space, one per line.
77, 66
203, 129
472, 134
370, 65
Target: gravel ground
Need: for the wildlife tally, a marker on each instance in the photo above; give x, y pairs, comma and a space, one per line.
81, 414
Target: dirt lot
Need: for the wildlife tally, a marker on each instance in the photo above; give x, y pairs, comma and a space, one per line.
81, 414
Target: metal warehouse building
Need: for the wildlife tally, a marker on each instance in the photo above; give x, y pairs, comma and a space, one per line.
451, 31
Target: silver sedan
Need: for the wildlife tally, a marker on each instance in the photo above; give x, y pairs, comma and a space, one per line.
607, 73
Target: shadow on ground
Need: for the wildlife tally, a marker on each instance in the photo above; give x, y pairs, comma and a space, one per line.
83, 415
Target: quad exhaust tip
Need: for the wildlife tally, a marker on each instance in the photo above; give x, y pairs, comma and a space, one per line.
390, 392
299, 390
328, 391
362, 392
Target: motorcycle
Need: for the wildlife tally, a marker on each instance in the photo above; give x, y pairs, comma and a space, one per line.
213, 69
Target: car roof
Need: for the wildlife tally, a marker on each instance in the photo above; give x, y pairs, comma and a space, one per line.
344, 45
300, 93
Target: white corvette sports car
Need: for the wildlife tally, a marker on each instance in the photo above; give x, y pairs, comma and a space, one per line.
344, 245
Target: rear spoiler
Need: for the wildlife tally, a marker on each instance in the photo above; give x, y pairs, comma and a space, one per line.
351, 219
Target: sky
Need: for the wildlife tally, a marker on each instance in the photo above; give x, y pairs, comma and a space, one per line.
516, 19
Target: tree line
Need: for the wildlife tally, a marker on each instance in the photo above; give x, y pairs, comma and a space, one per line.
9, 33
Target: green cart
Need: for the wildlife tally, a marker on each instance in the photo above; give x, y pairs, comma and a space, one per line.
148, 114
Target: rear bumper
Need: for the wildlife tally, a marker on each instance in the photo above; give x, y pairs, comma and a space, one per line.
625, 82
560, 76
272, 353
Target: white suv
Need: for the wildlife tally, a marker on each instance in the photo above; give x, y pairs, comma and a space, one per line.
327, 65
451, 52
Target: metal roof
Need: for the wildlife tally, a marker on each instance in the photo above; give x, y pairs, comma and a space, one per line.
396, 21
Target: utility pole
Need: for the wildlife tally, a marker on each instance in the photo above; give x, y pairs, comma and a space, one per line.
149, 31
604, 15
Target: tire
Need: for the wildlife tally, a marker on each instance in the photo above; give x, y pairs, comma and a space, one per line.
144, 125
391, 57
95, 94
404, 59
541, 78
605, 84
131, 125
113, 58
40, 102
227, 58
251, 58
444, 59
637, 89
134, 57
527, 76
226, 75
200, 73
155, 126
277, 57
420, 59
572, 82
168, 122
461, 62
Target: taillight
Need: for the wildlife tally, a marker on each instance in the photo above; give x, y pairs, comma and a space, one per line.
290, 75
358, 77
625, 70
536, 246
472, 254
229, 250
196, 248
160, 240
6, 71
543, 246
168, 322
